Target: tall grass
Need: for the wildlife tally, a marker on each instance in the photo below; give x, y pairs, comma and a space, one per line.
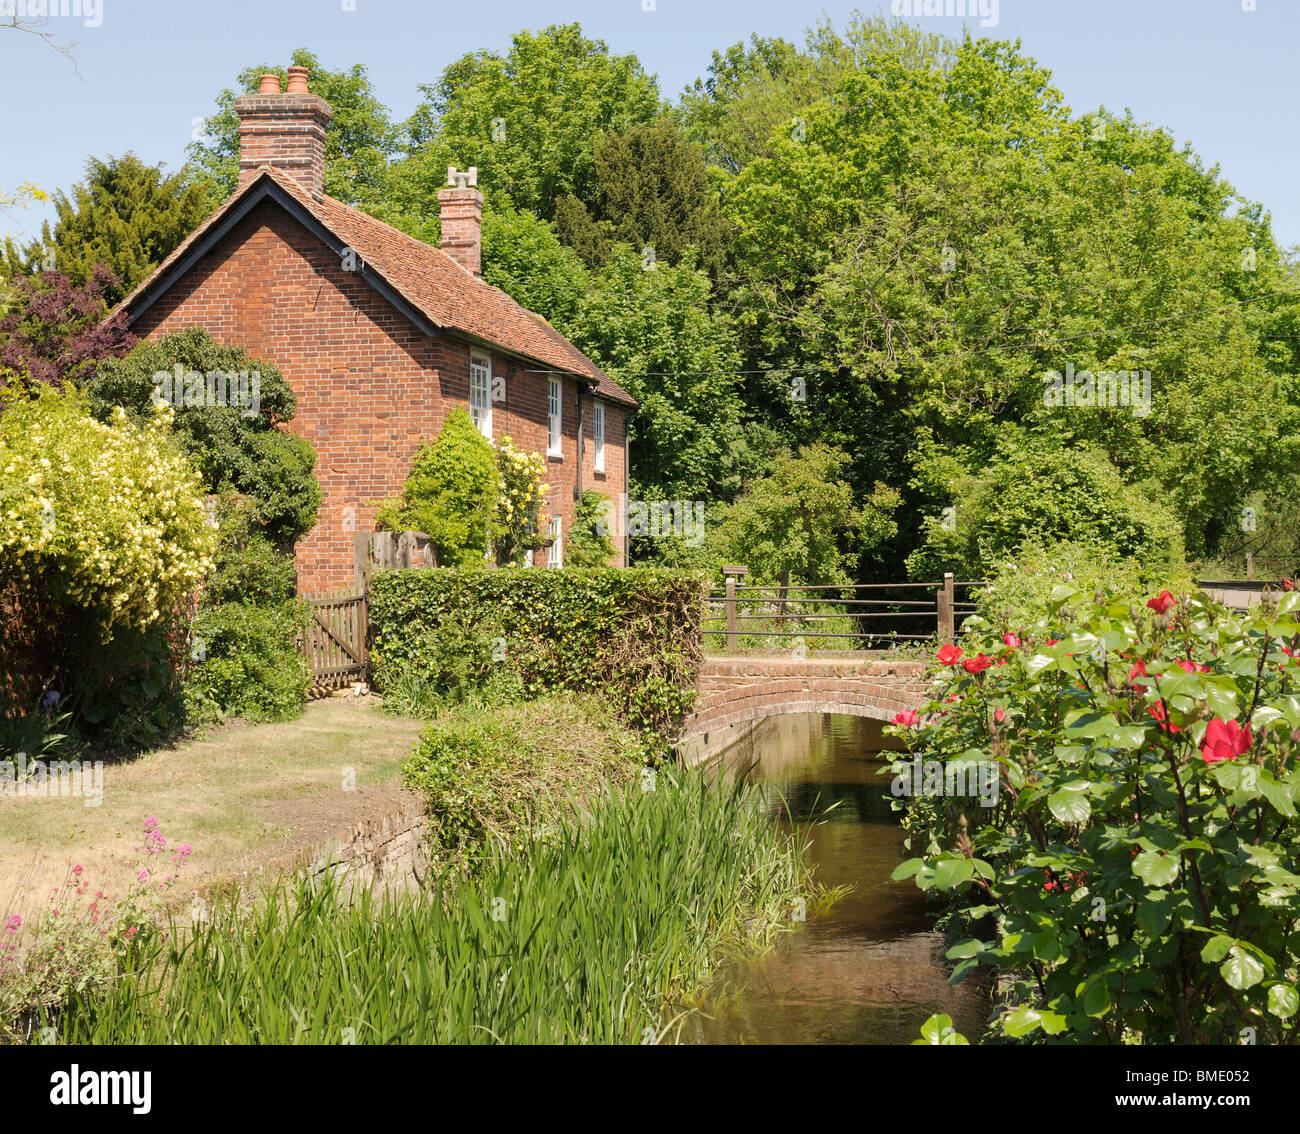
599, 933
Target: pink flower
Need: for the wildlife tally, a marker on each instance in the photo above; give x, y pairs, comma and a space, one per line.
13, 924
998, 715
76, 870
1188, 666
908, 718
142, 876
1224, 740
1011, 640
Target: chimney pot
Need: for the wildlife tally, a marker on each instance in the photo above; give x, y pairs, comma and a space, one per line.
285, 131
270, 84
298, 80
460, 212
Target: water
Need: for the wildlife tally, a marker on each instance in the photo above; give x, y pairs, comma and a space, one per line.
868, 971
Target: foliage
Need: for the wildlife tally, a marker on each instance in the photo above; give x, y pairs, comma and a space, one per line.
652, 190
524, 258
247, 662
232, 445
102, 517
1021, 585
247, 566
451, 493
527, 119
82, 944
587, 543
632, 636
55, 332
490, 959
652, 330
1138, 853
125, 216
799, 523
502, 777
358, 144
517, 522
1035, 492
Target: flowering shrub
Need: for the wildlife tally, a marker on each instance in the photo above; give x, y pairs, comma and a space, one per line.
83, 941
518, 526
106, 517
1138, 879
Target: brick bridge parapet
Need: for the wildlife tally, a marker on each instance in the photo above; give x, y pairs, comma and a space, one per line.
735, 692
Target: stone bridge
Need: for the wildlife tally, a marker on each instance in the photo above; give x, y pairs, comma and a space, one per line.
737, 692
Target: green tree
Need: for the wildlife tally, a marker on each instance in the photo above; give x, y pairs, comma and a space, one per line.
126, 215
799, 524
588, 543
524, 258
239, 446
451, 494
528, 120
652, 190
359, 143
651, 328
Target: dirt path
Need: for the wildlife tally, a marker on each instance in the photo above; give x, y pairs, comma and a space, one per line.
243, 796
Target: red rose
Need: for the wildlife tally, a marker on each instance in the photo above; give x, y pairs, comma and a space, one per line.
977, 664
1193, 667
907, 717
950, 654
1157, 710
1225, 740
1011, 641
998, 715
1288, 584
1139, 670
1162, 602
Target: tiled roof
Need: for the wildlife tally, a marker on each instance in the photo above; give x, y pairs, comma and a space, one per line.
447, 294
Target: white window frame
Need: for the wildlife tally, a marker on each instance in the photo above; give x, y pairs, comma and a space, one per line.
554, 418
598, 436
480, 392
555, 553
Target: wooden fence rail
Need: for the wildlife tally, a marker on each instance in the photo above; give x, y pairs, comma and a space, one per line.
857, 616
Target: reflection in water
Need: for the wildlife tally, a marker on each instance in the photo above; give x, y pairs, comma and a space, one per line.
868, 970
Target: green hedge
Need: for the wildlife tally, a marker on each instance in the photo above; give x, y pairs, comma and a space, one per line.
632, 635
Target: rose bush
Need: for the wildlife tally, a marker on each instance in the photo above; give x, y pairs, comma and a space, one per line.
1138, 878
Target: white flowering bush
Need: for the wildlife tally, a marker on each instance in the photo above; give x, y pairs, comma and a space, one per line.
104, 517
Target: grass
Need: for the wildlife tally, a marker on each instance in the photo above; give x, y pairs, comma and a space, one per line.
602, 933
242, 796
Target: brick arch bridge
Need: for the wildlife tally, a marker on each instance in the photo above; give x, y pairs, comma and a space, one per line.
736, 692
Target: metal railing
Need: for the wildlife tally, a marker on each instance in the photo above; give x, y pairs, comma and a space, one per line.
858, 616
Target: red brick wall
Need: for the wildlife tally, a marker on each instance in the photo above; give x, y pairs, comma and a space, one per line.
370, 385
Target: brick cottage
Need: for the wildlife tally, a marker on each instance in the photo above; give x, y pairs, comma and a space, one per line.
380, 335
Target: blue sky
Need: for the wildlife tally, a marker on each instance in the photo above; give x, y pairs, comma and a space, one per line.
1214, 74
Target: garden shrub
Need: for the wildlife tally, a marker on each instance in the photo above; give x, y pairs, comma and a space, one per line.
500, 776
1030, 492
451, 494
587, 543
630, 635
230, 447
248, 663
1021, 585
1137, 879
103, 541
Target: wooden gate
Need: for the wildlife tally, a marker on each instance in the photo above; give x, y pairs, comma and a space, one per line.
335, 643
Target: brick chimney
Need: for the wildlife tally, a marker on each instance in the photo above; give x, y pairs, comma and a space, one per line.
461, 212
284, 130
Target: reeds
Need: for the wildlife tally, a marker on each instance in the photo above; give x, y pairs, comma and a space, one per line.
600, 933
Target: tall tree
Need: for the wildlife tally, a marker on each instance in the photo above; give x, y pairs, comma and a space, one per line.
528, 120
126, 216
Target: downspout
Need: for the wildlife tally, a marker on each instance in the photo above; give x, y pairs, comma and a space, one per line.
577, 484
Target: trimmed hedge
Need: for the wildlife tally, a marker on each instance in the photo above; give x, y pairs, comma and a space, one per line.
629, 634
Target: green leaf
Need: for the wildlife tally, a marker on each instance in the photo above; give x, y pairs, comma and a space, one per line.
1155, 869
1283, 1000
1154, 912
1216, 948
938, 1031
952, 872
1241, 969
1070, 804
907, 869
